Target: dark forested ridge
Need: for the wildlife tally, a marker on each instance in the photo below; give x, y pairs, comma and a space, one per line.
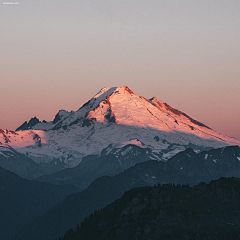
94, 166
186, 167
205, 211
195, 167
23, 200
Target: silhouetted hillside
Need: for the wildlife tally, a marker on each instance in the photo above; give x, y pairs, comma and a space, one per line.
23, 200
206, 211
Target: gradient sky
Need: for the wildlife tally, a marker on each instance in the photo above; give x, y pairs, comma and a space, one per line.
58, 54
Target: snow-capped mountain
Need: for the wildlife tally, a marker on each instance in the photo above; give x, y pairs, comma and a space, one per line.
113, 118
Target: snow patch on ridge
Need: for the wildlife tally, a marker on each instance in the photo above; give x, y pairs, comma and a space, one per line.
21, 139
133, 142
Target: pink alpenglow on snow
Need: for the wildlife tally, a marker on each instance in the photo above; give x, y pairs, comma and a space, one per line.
115, 116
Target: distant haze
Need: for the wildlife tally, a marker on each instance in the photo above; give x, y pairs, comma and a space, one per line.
58, 54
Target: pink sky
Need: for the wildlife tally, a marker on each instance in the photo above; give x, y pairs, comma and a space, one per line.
57, 55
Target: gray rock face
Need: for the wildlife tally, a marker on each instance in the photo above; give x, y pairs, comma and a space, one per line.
28, 125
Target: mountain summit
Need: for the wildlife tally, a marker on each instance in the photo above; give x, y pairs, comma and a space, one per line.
120, 105
113, 118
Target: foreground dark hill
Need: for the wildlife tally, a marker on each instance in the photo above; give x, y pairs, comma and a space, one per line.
206, 211
186, 167
23, 200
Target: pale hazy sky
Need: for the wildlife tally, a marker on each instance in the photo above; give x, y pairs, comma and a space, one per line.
57, 54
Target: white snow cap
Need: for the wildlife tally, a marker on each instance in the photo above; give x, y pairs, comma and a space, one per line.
115, 115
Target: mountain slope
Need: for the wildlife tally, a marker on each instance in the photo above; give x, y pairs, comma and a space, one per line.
114, 116
19, 163
105, 190
206, 211
110, 162
203, 166
23, 200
